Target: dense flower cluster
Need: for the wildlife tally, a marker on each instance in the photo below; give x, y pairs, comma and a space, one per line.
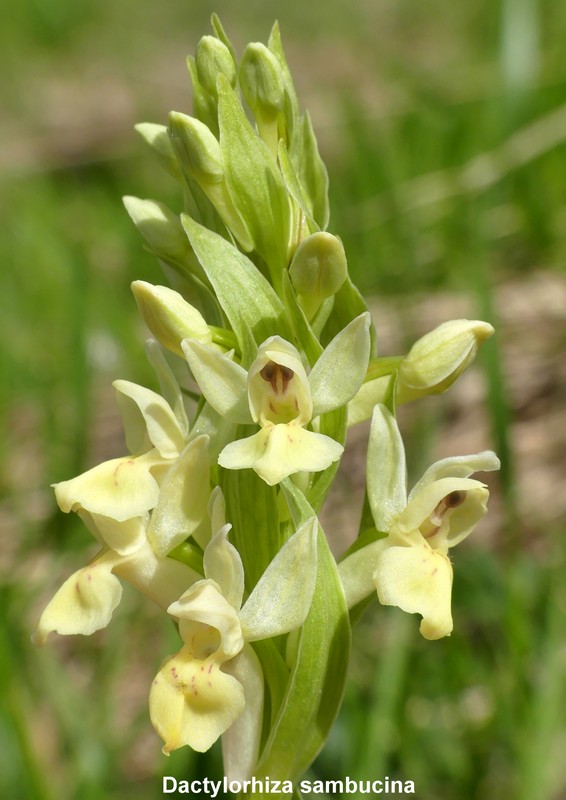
265, 354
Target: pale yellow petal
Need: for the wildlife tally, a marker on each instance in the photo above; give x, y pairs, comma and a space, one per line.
292, 449
240, 743
445, 511
157, 418
84, 603
419, 581
123, 537
183, 498
204, 603
162, 580
223, 565
122, 488
193, 702
244, 453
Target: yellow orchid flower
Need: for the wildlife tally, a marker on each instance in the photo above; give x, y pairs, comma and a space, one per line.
410, 567
201, 692
278, 395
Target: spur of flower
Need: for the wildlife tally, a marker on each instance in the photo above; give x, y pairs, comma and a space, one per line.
139, 508
277, 394
410, 566
214, 684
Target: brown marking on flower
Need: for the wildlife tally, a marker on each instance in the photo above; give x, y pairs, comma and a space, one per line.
277, 376
451, 501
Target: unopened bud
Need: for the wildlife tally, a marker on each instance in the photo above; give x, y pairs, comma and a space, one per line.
212, 59
157, 137
319, 266
436, 360
159, 226
261, 79
197, 148
169, 317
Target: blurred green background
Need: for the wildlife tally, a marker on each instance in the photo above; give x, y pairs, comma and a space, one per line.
444, 127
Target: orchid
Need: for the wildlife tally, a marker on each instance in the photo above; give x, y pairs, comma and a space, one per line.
282, 399
271, 354
200, 693
410, 567
124, 502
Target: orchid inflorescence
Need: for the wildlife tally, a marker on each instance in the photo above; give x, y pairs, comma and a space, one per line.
213, 514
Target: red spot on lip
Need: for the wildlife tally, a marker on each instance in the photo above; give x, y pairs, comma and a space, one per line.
119, 467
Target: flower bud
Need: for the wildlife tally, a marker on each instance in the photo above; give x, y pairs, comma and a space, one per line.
157, 138
319, 266
437, 359
212, 59
261, 80
159, 226
196, 147
169, 317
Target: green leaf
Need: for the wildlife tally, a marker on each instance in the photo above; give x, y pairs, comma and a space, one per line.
341, 368
316, 684
244, 294
254, 182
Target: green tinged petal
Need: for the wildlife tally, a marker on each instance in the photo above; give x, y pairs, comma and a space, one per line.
183, 499
240, 743
282, 597
368, 396
341, 369
223, 565
357, 571
223, 382
386, 469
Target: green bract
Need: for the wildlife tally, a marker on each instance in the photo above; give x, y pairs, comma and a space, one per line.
264, 352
